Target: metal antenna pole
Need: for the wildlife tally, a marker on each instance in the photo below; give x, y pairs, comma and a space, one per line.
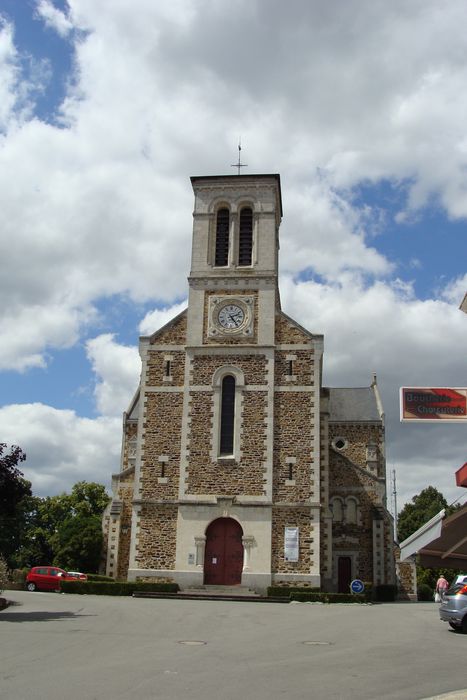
239, 164
394, 494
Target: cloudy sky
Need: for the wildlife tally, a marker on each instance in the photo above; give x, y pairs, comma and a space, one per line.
107, 108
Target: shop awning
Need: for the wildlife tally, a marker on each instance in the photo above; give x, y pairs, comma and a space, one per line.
441, 542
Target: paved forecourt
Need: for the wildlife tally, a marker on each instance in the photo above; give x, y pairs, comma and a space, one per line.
91, 647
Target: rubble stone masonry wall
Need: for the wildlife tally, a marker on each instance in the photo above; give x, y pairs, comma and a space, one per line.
130, 431
286, 332
173, 334
292, 517
254, 368
125, 494
302, 367
359, 436
156, 368
226, 477
162, 435
157, 537
294, 419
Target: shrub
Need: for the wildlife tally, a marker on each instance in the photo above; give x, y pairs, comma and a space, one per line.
328, 597
424, 592
3, 574
99, 577
385, 593
284, 591
115, 587
19, 575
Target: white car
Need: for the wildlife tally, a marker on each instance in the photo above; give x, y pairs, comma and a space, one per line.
78, 575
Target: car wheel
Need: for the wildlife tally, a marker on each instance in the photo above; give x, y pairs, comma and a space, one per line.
453, 626
31, 586
464, 625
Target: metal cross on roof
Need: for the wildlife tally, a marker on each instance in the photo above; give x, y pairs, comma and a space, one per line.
239, 164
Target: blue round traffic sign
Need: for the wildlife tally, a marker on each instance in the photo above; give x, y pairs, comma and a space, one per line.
357, 586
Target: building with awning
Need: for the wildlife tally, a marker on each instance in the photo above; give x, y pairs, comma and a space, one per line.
441, 542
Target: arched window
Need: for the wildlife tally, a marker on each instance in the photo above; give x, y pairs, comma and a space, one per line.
222, 238
227, 415
337, 510
351, 510
245, 239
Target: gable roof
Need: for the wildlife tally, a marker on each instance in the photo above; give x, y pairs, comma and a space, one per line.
353, 404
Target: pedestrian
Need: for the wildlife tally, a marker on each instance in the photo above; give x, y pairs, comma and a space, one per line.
441, 587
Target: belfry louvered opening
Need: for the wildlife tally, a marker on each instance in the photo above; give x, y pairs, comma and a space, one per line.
226, 446
222, 238
245, 241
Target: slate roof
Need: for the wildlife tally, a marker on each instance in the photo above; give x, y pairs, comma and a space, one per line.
355, 404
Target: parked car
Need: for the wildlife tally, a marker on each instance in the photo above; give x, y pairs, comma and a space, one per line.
453, 609
46, 578
77, 575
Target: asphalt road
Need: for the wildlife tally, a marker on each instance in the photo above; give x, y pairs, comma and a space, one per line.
100, 648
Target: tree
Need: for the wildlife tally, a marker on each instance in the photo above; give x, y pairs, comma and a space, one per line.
13, 489
77, 542
423, 507
65, 529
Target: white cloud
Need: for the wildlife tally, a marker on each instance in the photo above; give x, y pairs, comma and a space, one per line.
406, 342
159, 317
101, 205
61, 447
54, 18
117, 369
8, 73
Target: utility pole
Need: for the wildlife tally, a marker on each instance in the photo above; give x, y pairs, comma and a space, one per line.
394, 500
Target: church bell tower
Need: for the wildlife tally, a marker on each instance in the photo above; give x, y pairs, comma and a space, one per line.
233, 279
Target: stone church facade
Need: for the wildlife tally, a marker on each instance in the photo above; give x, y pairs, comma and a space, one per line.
237, 465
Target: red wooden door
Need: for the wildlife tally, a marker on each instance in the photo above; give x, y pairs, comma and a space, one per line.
223, 558
344, 574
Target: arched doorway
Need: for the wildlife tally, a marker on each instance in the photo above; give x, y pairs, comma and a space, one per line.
344, 574
223, 558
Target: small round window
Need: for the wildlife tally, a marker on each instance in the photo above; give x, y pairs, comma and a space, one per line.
339, 443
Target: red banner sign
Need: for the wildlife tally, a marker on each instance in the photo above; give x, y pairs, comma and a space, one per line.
461, 476
433, 404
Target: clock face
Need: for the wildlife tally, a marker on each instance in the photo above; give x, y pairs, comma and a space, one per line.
231, 317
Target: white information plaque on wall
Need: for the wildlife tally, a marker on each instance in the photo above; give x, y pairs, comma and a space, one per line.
291, 544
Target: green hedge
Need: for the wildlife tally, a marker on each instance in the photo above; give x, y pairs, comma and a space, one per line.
424, 592
283, 591
99, 577
116, 588
328, 597
385, 593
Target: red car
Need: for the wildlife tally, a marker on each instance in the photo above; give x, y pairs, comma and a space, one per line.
46, 578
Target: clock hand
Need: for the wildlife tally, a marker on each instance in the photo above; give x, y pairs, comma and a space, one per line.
234, 318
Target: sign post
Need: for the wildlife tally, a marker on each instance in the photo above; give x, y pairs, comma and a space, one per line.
357, 586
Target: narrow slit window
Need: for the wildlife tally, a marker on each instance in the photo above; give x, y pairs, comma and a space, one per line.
167, 368
222, 238
290, 367
162, 469
245, 240
227, 416
290, 471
